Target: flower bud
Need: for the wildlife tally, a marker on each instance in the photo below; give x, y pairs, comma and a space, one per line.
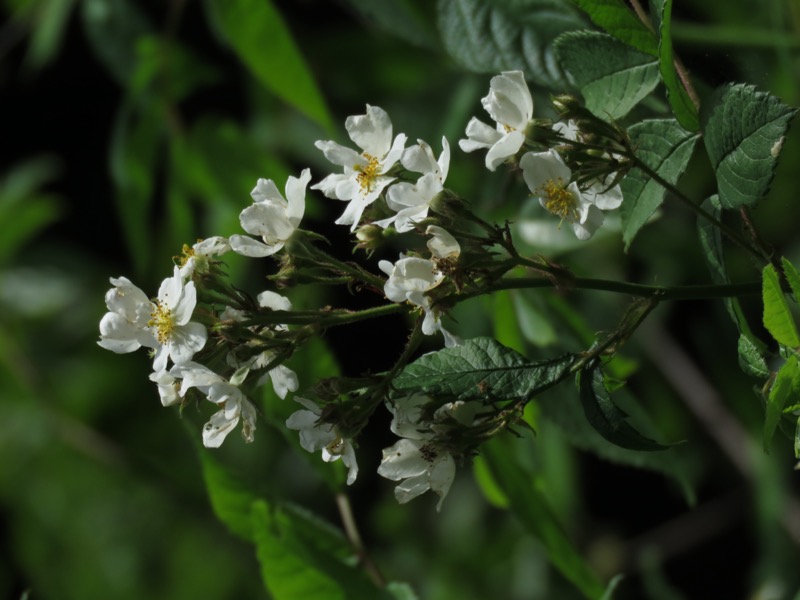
370, 237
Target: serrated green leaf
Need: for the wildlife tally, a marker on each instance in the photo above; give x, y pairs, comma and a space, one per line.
496, 35
401, 18
743, 130
230, 497
785, 386
751, 358
665, 147
683, 107
778, 318
480, 368
259, 36
619, 20
792, 277
606, 418
538, 518
611, 76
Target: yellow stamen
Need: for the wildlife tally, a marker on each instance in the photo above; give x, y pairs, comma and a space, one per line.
187, 252
161, 319
559, 200
368, 173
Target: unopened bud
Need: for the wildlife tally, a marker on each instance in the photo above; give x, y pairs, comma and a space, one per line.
370, 237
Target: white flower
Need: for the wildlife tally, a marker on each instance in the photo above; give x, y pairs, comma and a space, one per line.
409, 279
178, 337
271, 216
234, 405
416, 460
510, 104
412, 201
316, 435
125, 328
548, 177
442, 244
168, 387
196, 258
364, 176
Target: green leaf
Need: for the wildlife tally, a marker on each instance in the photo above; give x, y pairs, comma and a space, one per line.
778, 318
480, 368
611, 76
24, 210
751, 357
135, 142
786, 385
538, 518
619, 20
743, 130
683, 107
507, 330
797, 439
563, 408
751, 349
502, 35
792, 277
257, 33
665, 147
612, 586
230, 498
295, 564
401, 18
48, 25
493, 493
606, 418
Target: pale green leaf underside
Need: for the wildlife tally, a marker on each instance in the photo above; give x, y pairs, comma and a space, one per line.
481, 368
495, 35
619, 20
778, 318
611, 76
665, 147
743, 131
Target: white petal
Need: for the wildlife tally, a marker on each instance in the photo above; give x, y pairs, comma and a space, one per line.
273, 300
284, 380
349, 460
509, 101
184, 307
129, 301
247, 246
589, 223
506, 147
296, 195
217, 429
403, 459
411, 488
442, 244
372, 131
603, 196
539, 168
340, 155
266, 191
185, 341
330, 184
480, 135
441, 477
171, 289
117, 334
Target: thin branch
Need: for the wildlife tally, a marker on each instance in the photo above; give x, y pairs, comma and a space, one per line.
351, 530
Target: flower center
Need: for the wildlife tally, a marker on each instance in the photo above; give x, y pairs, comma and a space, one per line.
161, 319
428, 453
187, 252
336, 447
368, 173
559, 200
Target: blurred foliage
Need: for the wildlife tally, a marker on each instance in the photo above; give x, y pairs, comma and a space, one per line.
132, 127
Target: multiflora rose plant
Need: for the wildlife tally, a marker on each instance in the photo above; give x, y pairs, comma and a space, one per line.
210, 340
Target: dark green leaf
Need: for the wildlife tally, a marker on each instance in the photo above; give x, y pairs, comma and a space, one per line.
611, 76
538, 518
684, 109
260, 37
786, 386
665, 147
606, 418
480, 368
401, 18
792, 277
48, 24
612, 586
778, 318
497, 35
751, 357
135, 144
619, 20
230, 498
743, 130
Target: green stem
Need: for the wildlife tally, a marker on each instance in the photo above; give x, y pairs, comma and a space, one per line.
660, 293
322, 318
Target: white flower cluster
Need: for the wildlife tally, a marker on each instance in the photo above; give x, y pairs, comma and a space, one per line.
382, 177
